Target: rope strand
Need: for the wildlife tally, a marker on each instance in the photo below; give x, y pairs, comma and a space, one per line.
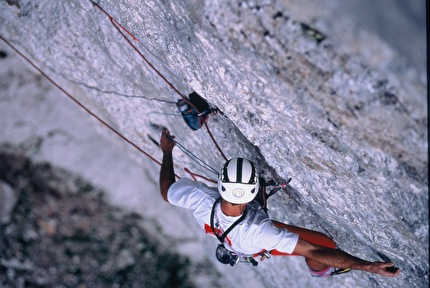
118, 27
194, 175
80, 104
196, 159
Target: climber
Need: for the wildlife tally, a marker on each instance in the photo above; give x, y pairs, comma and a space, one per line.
230, 209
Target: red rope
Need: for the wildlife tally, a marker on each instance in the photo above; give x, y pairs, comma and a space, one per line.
117, 25
194, 175
80, 104
128, 32
213, 139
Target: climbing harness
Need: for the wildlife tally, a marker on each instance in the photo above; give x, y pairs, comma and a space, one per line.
197, 104
232, 258
222, 254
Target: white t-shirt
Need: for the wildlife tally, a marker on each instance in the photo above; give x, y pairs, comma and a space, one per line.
254, 234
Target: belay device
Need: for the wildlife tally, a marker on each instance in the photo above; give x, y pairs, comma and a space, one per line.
192, 117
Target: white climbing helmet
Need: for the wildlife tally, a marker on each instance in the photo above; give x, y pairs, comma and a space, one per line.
238, 182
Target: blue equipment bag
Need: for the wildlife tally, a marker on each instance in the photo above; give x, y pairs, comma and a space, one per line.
193, 118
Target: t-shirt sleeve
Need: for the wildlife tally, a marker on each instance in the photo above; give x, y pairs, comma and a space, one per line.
195, 196
272, 237
188, 194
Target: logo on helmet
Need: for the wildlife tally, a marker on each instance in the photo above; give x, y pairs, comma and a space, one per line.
238, 193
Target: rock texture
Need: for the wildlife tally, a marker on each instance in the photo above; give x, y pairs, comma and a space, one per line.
306, 93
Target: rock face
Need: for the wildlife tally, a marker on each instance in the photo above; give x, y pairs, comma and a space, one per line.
60, 231
304, 91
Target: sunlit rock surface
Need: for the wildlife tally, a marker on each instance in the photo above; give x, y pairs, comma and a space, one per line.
307, 93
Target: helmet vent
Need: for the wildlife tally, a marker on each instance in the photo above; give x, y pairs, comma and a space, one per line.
239, 170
